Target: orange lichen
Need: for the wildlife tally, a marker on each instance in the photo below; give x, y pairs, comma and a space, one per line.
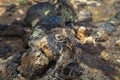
47, 52
45, 49
81, 34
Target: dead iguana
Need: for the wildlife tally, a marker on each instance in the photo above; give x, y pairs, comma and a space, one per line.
61, 8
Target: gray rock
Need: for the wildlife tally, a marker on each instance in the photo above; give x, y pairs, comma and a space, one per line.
71, 70
100, 35
114, 21
107, 27
118, 15
11, 66
93, 76
6, 51
33, 63
84, 15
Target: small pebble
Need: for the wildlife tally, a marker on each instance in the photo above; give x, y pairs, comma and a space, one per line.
90, 40
118, 60
108, 28
118, 43
105, 56
114, 21
84, 15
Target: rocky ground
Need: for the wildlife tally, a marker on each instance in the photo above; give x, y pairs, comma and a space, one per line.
97, 29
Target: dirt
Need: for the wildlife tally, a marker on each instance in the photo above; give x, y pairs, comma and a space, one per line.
99, 62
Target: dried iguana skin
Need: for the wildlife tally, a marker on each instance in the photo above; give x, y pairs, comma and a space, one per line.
61, 8
65, 10
49, 35
38, 11
49, 39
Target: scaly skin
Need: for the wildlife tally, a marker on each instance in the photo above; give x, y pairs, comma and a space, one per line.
53, 41
65, 10
38, 11
60, 8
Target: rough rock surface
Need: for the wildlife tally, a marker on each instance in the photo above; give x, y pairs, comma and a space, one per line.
88, 49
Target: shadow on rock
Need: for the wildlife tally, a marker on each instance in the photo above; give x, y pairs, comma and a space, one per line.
91, 58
